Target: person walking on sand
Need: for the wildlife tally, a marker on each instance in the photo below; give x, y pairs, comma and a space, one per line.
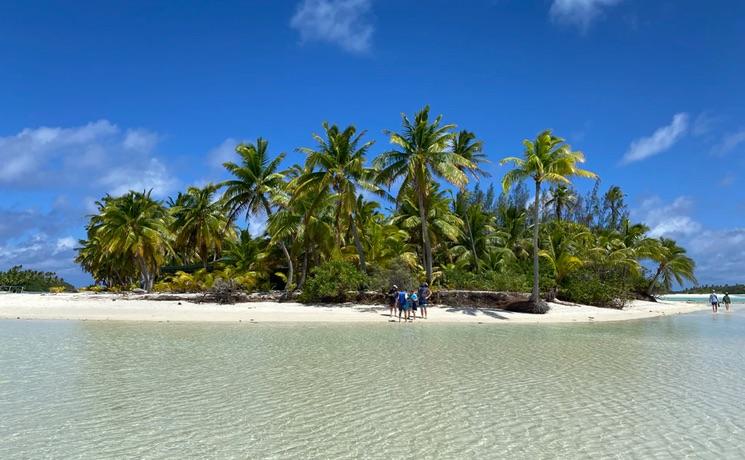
714, 301
392, 294
424, 295
402, 305
726, 301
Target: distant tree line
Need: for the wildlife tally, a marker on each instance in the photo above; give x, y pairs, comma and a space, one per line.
33, 280
707, 288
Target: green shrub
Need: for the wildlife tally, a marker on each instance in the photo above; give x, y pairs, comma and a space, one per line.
332, 281
487, 281
586, 288
399, 274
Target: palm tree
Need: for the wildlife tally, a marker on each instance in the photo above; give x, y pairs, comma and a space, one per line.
478, 232
546, 159
337, 166
466, 145
562, 198
673, 265
199, 222
613, 201
424, 151
252, 191
136, 227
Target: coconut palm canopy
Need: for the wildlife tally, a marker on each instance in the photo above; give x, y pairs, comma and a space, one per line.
423, 210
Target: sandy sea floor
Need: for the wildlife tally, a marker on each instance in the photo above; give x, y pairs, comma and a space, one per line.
114, 307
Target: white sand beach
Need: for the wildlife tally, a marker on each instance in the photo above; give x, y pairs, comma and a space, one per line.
115, 307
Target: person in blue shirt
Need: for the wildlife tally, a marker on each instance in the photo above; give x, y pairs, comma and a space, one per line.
424, 295
402, 302
714, 302
413, 304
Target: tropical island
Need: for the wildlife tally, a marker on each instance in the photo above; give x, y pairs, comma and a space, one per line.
352, 220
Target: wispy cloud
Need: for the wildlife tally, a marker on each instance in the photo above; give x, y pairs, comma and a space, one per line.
730, 142
579, 13
345, 23
661, 140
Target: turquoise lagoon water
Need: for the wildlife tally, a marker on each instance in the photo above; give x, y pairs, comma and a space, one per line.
666, 388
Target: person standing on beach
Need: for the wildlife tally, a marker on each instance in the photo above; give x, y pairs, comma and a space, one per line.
424, 295
402, 304
392, 294
714, 301
414, 303
726, 301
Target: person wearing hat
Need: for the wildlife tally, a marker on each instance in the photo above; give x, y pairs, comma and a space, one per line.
726, 301
424, 295
714, 301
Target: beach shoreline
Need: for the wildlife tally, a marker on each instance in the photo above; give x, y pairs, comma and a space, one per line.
117, 307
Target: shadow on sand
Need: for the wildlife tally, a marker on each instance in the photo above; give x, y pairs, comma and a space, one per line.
473, 311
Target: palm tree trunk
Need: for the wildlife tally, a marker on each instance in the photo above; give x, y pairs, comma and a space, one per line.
290, 271
304, 273
473, 244
654, 280
536, 294
425, 234
358, 245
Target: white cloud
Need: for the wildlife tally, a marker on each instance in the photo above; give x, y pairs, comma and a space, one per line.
149, 175
661, 140
222, 153
98, 157
140, 140
579, 13
667, 219
342, 22
730, 142
719, 254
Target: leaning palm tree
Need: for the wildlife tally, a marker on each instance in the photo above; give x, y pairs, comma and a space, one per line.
673, 265
337, 165
252, 190
546, 159
424, 151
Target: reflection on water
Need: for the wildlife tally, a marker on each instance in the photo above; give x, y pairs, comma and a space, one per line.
666, 387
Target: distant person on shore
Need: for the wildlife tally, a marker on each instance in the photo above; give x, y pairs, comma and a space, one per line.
726, 301
392, 294
413, 303
714, 301
402, 303
424, 295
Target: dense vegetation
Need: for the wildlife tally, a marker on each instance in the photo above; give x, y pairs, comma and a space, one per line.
325, 234
33, 281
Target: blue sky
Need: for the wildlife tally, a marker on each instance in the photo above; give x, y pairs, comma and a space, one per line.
100, 97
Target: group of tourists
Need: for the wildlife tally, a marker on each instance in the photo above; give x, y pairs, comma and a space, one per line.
714, 301
407, 303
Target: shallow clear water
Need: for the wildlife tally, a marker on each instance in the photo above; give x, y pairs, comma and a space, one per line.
668, 387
